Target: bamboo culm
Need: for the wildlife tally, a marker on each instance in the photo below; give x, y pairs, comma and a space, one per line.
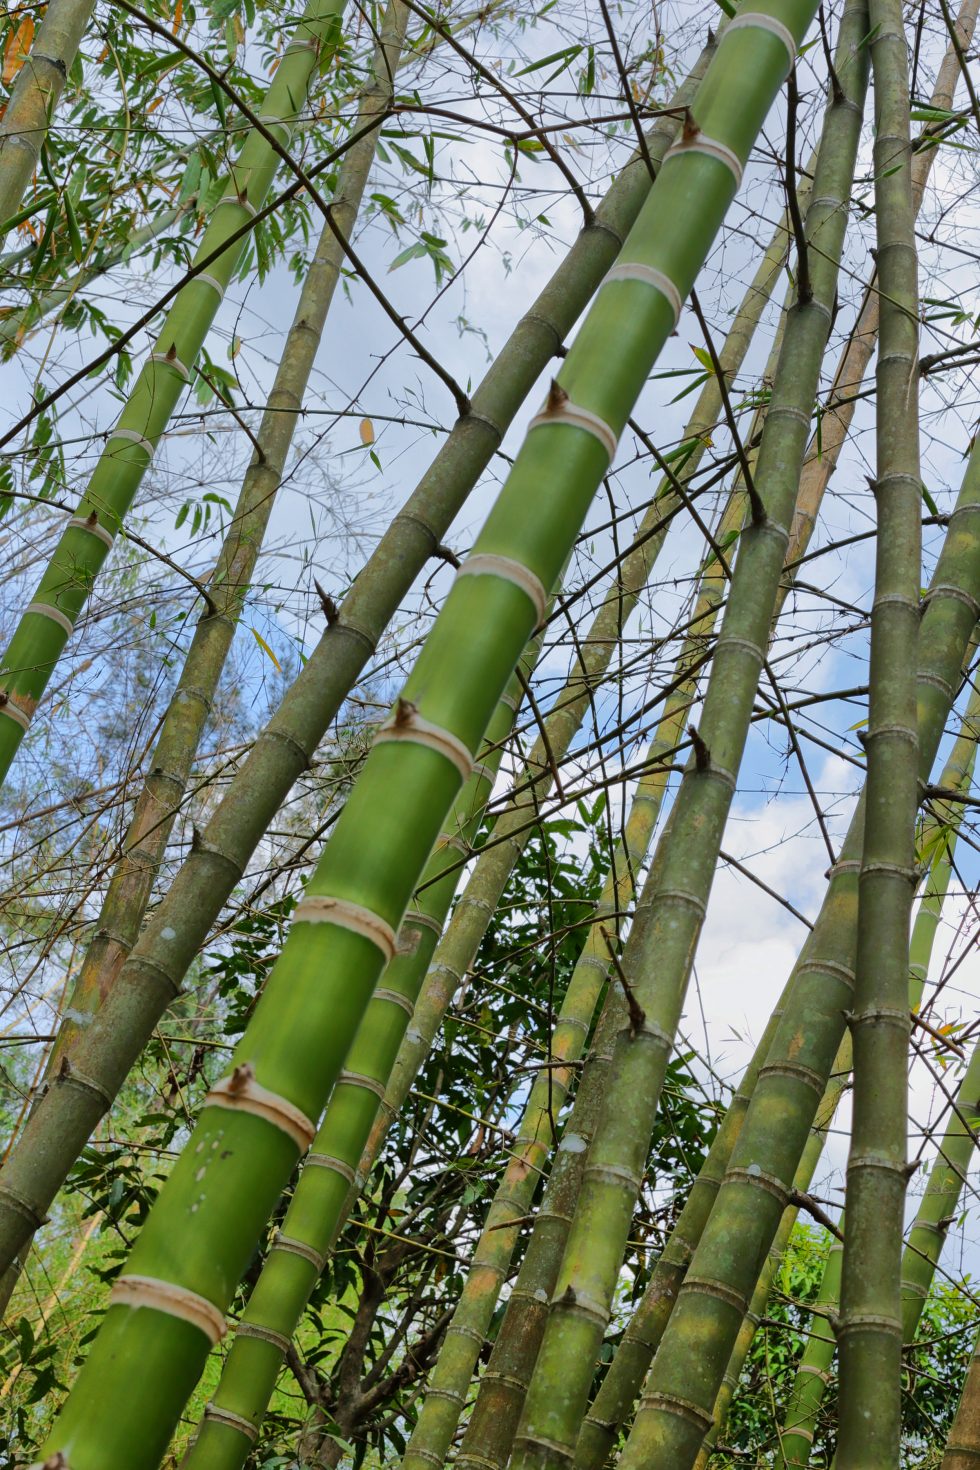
701, 1334
34, 97
167, 1306
49, 620
938, 839
328, 1183
669, 916
78, 1096
869, 1334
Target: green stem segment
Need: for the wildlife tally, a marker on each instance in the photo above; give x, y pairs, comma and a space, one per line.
670, 914
870, 1331
49, 620
963, 1445
64, 1117
168, 1305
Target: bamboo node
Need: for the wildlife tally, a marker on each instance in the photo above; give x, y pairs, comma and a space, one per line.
324, 909
407, 724
207, 279
361, 1079
12, 711
949, 589
300, 1248
635, 270
171, 360
91, 525
759, 1179
487, 564
231, 1420
869, 1322
672, 1403
328, 1161
756, 20
561, 410
240, 1091
699, 142
719, 1290
798, 1072
174, 1301
263, 1334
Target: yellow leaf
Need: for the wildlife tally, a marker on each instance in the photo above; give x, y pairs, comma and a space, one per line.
266, 649
367, 431
703, 357
178, 15
17, 48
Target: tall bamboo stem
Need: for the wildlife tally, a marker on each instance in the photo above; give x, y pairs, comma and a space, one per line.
869, 1335
670, 914
49, 620
168, 1304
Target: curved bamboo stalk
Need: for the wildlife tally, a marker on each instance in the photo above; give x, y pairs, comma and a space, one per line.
62, 1120
669, 916
701, 1334
168, 1303
869, 1335
61, 595
327, 1183
36, 93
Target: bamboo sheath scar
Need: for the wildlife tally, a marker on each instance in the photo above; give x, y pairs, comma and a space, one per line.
78, 1096
209, 1215
328, 1180
869, 1335
671, 911
921, 1255
49, 620
35, 95
457, 1358
681, 1389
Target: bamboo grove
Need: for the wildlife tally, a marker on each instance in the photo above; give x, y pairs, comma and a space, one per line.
490, 524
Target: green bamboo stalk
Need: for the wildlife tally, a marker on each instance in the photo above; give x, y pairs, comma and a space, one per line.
681, 1389
869, 1334
669, 916
963, 1444
49, 620
64, 1117
326, 1186
806, 1396
773, 1260
835, 422
167, 1306
445, 1397
35, 95
621, 1386
158, 803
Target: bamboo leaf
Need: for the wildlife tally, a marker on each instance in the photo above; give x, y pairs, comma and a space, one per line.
266, 649
366, 431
